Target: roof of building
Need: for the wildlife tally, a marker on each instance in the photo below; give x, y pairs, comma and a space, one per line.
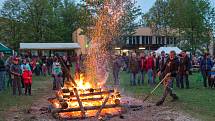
143, 31
147, 31
49, 46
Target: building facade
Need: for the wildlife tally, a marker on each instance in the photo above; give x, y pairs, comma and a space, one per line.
144, 38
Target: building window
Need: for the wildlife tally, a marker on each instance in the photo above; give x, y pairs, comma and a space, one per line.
138, 40
167, 40
143, 40
134, 40
130, 40
147, 40
150, 39
163, 40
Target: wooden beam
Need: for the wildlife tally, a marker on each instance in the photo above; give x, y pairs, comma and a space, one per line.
85, 108
102, 106
80, 103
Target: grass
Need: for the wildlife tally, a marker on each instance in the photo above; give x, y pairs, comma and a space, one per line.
7, 100
196, 101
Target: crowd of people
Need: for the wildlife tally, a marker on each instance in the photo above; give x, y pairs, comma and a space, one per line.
17, 71
151, 64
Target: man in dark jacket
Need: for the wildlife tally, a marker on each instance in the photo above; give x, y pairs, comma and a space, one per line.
134, 68
16, 72
2, 72
184, 70
206, 65
169, 69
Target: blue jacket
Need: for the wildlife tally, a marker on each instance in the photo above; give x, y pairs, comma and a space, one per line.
206, 64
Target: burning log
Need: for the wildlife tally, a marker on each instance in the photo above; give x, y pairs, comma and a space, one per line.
87, 99
80, 103
90, 94
64, 105
57, 110
103, 105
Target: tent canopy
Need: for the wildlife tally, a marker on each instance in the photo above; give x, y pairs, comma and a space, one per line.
49, 46
5, 49
168, 49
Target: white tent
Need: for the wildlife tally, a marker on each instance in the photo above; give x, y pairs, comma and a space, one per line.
49, 46
168, 49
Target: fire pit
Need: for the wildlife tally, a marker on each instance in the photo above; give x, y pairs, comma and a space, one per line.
84, 101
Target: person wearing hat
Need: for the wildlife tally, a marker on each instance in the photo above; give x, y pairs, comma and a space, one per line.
16, 72
206, 65
2, 72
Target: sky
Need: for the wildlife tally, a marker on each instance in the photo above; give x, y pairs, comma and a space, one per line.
145, 4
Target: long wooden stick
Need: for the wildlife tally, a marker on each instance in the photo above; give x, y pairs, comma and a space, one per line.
80, 103
103, 105
67, 70
155, 88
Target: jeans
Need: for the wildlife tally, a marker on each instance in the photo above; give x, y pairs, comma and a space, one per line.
2, 80
181, 80
178, 81
133, 79
141, 77
17, 85
116, 77
168, 90
205, 77
150, 77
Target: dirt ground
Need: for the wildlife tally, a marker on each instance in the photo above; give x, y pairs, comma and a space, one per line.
39, 112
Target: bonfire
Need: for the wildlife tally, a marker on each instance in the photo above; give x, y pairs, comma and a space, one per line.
86, 95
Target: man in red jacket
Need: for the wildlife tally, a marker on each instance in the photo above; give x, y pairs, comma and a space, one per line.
149, 67
142, 65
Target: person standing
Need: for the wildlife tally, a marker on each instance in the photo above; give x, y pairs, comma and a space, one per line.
16, 72
2, 71
9, 62
162, 61
169, 69
116, 69
184, 70
142, 65
133, 67
206, 65
150, 66
27, 78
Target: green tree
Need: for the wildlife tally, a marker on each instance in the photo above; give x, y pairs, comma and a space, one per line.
190, 20
12, 31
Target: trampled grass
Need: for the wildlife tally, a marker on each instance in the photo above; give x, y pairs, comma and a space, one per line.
196, 101
9, 102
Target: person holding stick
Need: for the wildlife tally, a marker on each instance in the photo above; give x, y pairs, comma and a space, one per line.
169, 69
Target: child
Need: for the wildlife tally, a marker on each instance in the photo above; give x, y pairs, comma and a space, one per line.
44, 69
57, 74
27, 77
